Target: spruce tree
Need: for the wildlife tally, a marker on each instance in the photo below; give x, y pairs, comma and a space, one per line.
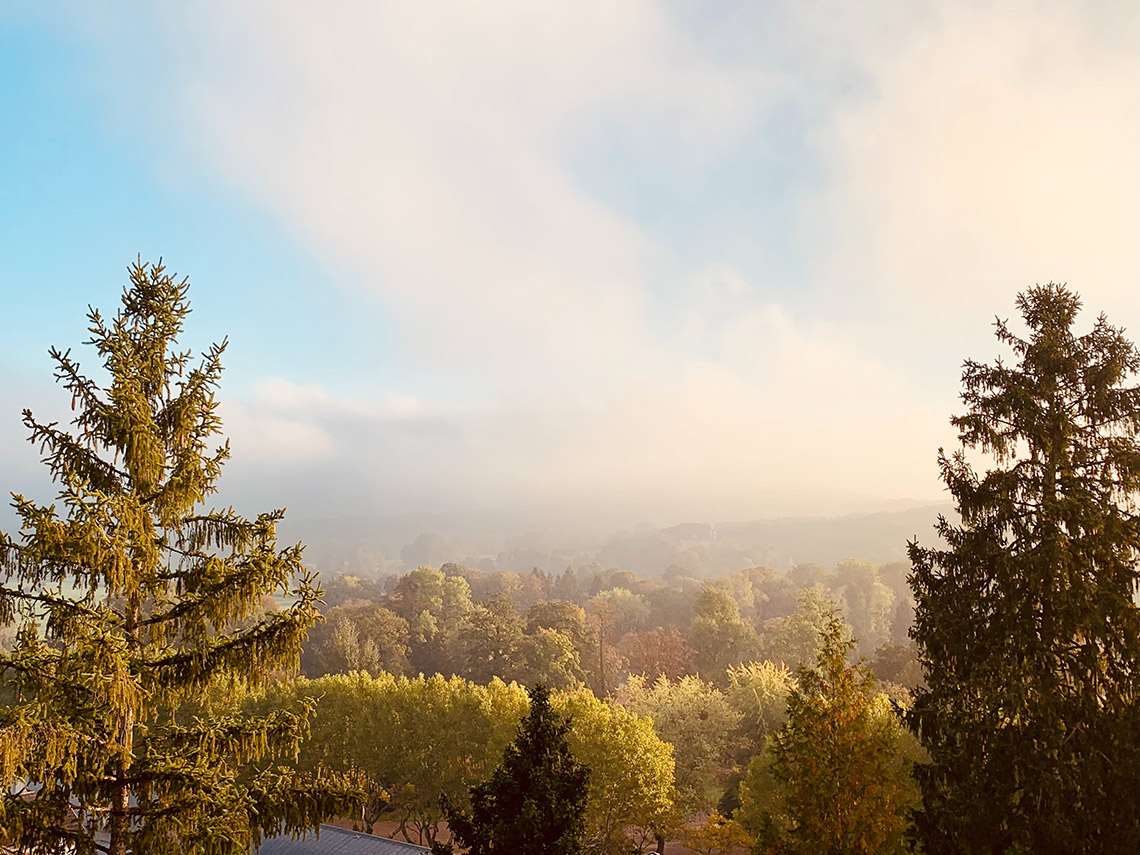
834, 780
132, 601
1027, 620
535, 802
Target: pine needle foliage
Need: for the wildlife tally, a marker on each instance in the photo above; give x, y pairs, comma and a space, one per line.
535, 802
1027, 620
132, 601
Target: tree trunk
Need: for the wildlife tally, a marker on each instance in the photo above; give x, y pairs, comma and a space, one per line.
121, 801
121, 796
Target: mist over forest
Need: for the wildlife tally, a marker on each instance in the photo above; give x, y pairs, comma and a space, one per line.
374, 547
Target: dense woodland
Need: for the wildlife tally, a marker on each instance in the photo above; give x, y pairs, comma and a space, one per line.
710, 666
598, 626
177, 681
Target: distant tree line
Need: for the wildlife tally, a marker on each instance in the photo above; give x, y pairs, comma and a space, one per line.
597, 627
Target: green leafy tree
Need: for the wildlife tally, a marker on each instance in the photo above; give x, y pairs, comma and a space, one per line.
750, 590
697, 720
435, 607
894, 576
865, 601
357, 636
340, 736
794, 640
758, 693
565, 617
835, 779
718, 637
716, 835
132, 601
535, 802
490, 642
631, 797
412, 740
348, 588
549, 657
629, 610
898, 664
1027, 621
808, 575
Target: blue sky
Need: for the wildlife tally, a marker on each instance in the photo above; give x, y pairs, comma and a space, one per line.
82, 193
714, 262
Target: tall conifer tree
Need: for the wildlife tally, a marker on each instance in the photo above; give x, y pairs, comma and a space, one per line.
132, 600
1027, 621
535, 802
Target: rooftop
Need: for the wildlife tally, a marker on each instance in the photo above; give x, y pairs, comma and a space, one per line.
338, 841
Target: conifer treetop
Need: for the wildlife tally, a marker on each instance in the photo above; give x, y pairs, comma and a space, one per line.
1026, 618
134, 600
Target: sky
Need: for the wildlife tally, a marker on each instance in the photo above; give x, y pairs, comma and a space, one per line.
620, 261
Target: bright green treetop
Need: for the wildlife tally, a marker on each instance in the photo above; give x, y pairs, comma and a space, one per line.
697, 719
131, 600
1027, 621
631, 792
718, 636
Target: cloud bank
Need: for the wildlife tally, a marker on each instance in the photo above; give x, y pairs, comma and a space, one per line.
442, 160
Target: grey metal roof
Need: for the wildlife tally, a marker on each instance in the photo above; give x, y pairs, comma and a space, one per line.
338, 841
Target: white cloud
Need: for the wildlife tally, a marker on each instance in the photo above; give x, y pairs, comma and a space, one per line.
291, 425
428, 149
997, 151
782, 419
273, 441
428, 152
280, 395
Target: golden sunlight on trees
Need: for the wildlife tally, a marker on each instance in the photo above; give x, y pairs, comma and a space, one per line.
698, 721
836, 777
412, 740
132, 600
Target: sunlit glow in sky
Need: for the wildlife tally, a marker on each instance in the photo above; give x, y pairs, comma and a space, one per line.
649, 260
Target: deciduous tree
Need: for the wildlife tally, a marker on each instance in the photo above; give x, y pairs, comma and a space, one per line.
357, 636
716, 835
758, 693
631, 774
865, 601
697, 720
414, 739
435, 607
549, 657
657, 653
718, 636
794, 640
490, 641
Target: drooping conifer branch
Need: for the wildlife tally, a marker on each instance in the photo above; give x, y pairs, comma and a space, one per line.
135, 599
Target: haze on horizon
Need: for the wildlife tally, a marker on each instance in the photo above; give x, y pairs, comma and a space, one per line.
600, 262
